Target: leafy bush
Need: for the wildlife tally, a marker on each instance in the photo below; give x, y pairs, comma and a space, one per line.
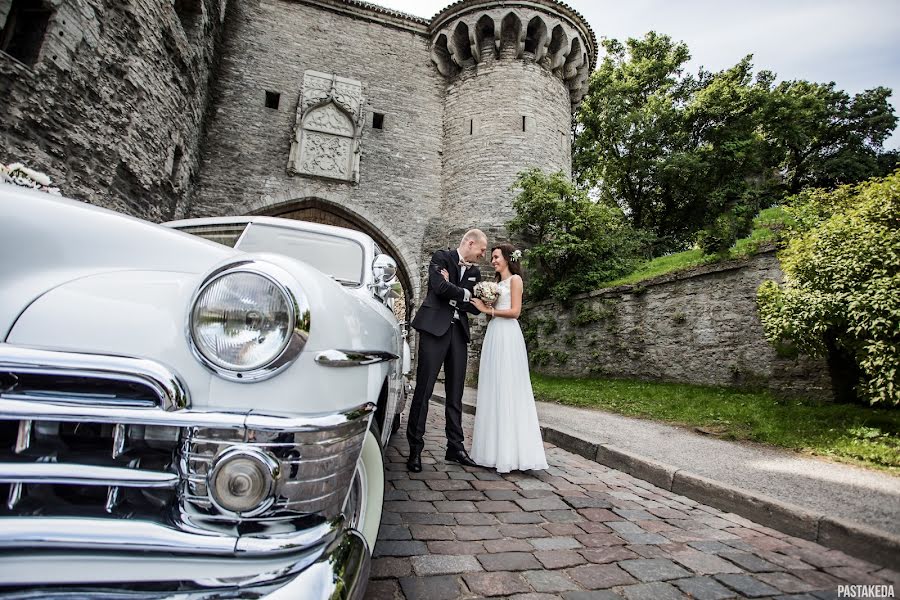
842, 276
718, 237
575, 244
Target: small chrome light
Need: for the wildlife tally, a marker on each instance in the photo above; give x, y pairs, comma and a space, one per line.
242, 481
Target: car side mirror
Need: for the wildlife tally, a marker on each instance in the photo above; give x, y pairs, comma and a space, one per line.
384, 268
384, 271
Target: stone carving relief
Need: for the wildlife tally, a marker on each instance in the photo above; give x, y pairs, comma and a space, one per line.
329, 119
325, 155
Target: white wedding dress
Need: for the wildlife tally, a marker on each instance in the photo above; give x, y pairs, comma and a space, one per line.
507, 435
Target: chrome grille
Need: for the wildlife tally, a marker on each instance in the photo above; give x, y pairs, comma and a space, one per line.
66, 465
136, 451
89, 379
63, 468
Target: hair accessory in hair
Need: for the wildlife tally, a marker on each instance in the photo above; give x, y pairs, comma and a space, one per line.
515, 256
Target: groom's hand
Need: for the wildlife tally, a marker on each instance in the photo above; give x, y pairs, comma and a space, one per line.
442, 285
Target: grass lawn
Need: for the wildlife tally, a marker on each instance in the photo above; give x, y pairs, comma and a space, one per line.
848, 433
765, 229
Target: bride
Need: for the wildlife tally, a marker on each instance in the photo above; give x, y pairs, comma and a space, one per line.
507, 435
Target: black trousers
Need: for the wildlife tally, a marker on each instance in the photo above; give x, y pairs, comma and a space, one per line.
449, 350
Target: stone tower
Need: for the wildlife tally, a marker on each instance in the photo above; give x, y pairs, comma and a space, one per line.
515, 72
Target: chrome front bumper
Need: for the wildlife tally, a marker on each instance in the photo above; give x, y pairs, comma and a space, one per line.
338, 570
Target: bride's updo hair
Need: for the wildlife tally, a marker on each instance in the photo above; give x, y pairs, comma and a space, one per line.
515, 266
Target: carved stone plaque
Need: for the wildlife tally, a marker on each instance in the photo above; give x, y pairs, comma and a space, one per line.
329, 120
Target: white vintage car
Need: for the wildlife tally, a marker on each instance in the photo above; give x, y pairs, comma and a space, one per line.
180, 418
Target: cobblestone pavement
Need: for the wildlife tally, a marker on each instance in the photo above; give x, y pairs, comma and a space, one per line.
580, 531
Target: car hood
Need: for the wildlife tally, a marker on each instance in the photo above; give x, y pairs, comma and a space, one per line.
47, 241
144, 314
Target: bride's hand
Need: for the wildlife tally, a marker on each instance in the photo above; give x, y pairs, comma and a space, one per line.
446, 274
480, 305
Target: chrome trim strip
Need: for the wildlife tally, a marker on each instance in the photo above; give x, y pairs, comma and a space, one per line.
120, 434
15, 495
165, 383
68, 473
18, 408
113, 499
353, 358
95, 534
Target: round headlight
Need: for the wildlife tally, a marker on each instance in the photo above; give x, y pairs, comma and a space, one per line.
242, 321
242, 480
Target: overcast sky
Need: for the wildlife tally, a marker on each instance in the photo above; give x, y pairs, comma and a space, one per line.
855, 43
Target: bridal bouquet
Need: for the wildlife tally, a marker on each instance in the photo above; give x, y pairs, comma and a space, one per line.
487, 291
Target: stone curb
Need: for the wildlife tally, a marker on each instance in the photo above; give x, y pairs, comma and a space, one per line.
759, 508
850, 537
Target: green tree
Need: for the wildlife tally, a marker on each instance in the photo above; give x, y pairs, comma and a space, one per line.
673, 149
575, 244
823, 138
629, 122
681, 153
840, 299
726, 178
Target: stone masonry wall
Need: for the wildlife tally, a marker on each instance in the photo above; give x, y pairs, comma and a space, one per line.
696, 327
269, 46
113, 107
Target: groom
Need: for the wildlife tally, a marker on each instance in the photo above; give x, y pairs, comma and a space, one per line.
443, 327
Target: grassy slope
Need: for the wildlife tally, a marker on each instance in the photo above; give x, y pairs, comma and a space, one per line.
764, 230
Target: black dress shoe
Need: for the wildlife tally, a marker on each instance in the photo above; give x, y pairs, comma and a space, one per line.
414, 464
461, 457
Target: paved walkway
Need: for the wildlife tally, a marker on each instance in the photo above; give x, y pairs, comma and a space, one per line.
579, 531
837, 490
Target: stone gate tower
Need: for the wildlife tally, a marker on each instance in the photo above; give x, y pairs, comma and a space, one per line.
514, 72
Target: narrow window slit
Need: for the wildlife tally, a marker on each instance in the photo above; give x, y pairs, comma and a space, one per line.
273, 99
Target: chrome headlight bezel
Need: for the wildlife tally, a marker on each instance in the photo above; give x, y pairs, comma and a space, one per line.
299, 317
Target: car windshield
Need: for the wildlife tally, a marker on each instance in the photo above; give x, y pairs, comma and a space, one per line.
342, 258
339, 257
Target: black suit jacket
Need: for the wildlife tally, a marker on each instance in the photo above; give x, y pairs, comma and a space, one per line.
446, 297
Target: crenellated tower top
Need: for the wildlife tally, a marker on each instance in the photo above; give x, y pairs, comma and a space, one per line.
547, 32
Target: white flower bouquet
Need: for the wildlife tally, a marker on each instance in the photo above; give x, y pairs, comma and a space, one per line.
19, 174
488, 291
